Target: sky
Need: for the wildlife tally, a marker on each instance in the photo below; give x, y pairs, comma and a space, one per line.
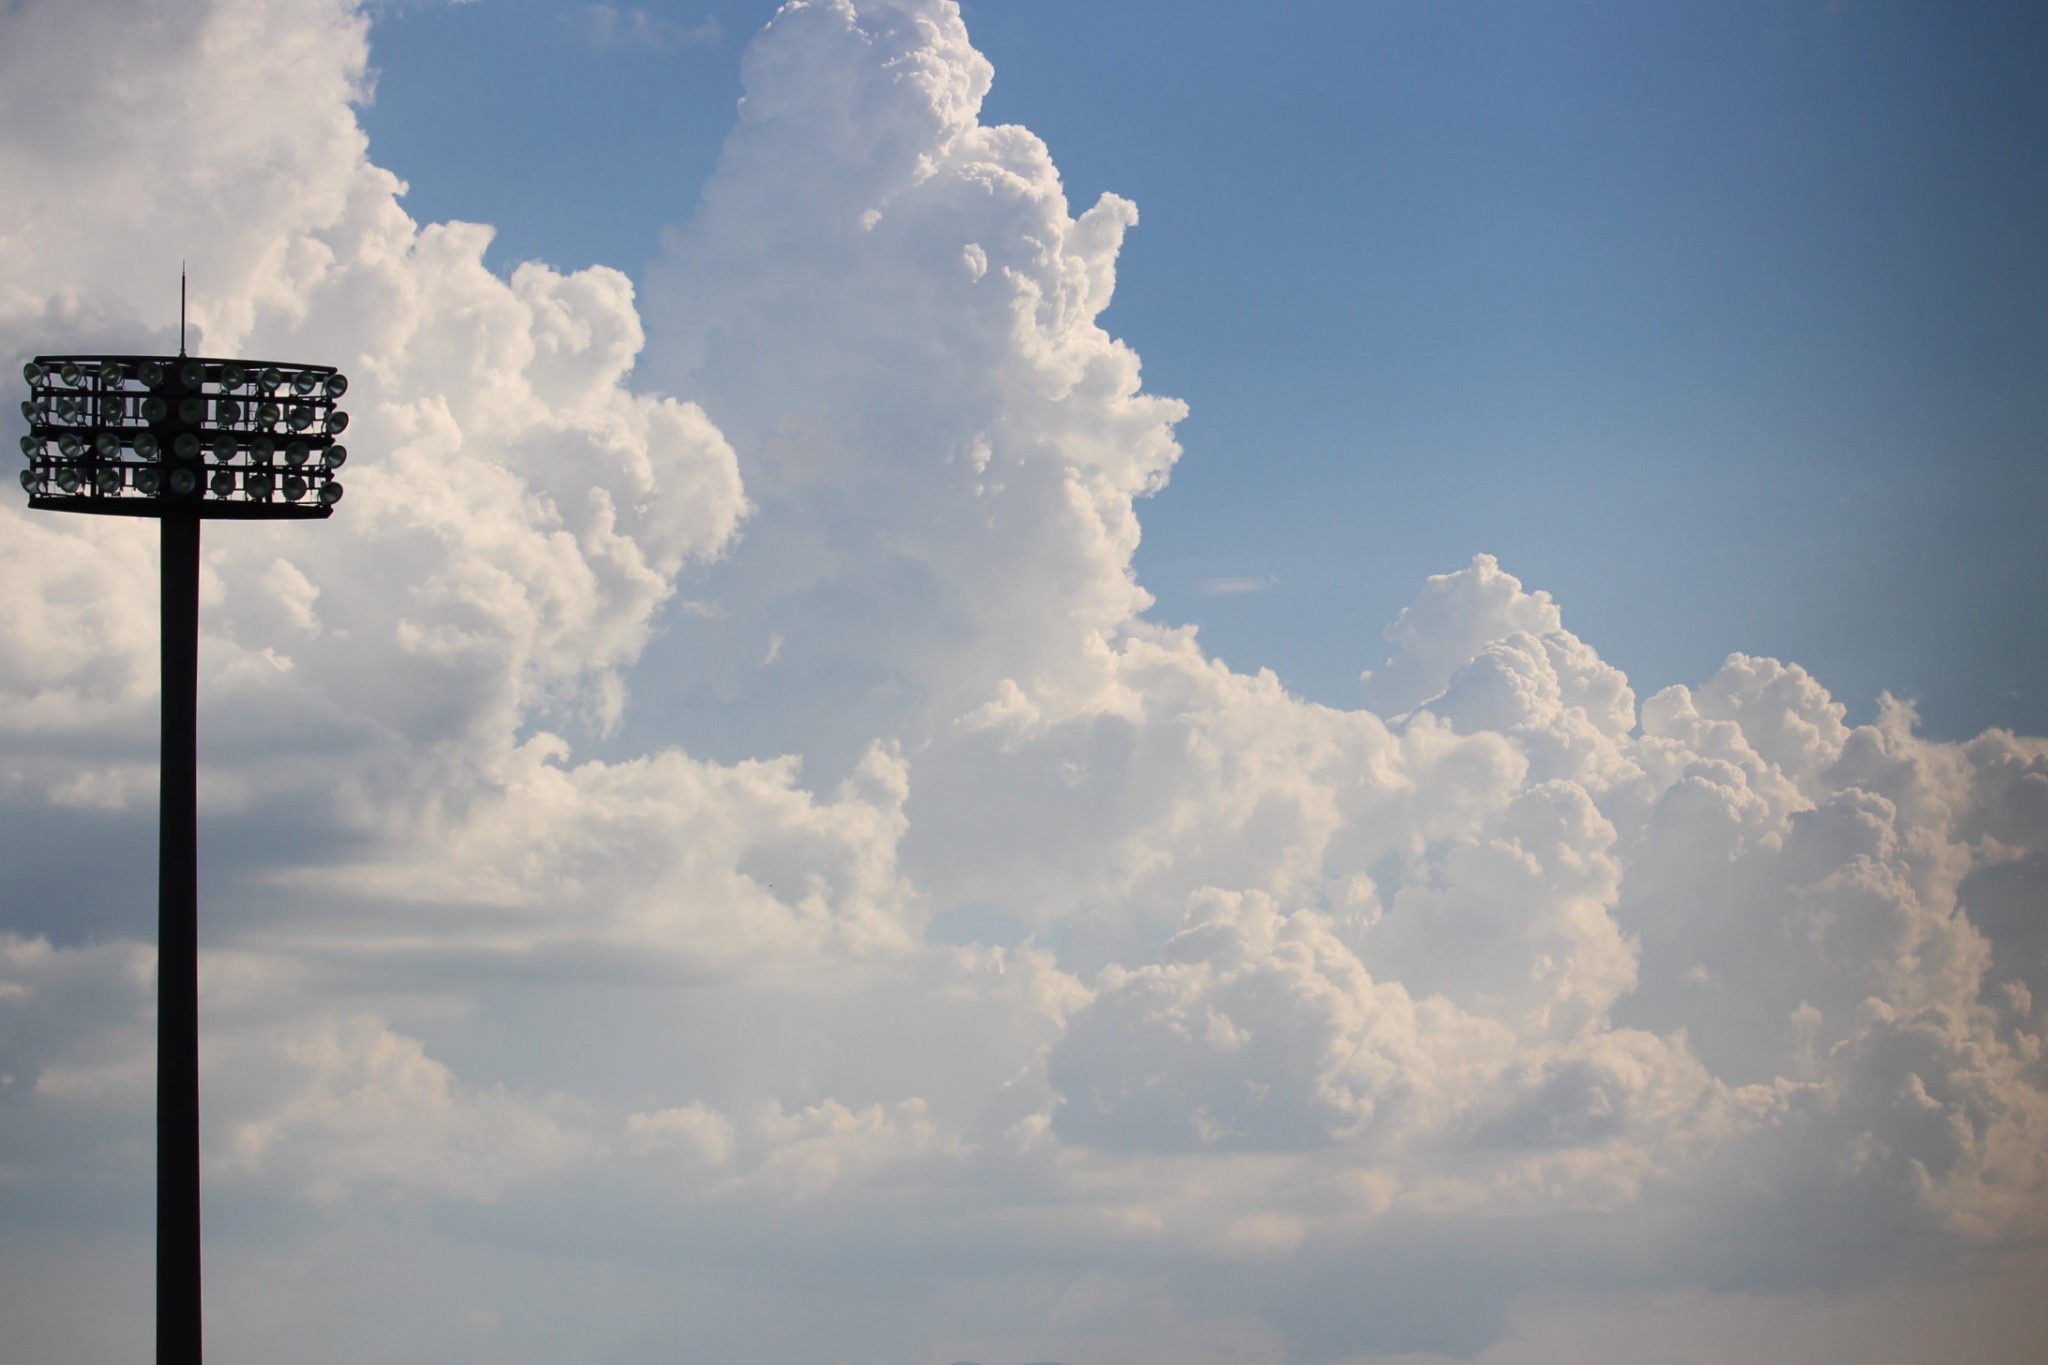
1721, 322
1104, 684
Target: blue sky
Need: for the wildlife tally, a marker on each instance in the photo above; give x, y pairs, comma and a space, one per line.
713, 850
1723, 323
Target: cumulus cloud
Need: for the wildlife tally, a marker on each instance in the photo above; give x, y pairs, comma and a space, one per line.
717, 795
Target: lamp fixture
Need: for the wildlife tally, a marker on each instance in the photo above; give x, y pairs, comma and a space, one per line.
94, 445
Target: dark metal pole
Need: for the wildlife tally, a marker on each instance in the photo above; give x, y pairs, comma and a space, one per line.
177, 1019
96, 445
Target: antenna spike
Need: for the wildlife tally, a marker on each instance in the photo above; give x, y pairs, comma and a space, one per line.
181, 308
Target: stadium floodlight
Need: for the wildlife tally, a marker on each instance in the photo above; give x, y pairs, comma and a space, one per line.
181, 439
110, 434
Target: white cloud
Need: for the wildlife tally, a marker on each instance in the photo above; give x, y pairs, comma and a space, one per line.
702, 1132
350, 1106
579, 798
1227, 587
628, 27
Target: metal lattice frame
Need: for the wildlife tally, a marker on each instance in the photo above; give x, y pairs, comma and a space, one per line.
136, 435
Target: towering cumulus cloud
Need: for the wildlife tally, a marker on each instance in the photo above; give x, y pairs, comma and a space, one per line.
709, 855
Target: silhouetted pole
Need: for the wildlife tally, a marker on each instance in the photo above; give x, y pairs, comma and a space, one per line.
179, 439
178, 1325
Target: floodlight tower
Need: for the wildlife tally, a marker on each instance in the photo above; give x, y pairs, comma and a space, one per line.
181, 438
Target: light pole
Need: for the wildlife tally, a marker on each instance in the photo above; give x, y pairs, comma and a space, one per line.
181, 438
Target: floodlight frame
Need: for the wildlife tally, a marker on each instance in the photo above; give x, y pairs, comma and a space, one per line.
174, 397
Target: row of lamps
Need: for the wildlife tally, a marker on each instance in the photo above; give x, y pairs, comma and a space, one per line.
109, 433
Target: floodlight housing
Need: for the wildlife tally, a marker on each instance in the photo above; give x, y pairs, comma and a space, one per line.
126, 436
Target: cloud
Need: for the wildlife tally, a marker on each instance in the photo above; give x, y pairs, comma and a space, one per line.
1224, 587
716, 807
354, 1106
611, 28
